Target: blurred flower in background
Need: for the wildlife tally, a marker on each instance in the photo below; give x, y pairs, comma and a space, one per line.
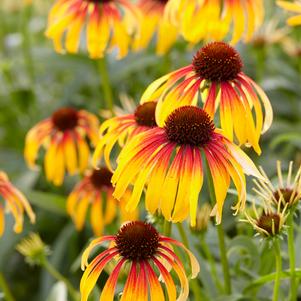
294, 7
270, 33
33, 249
170, 157
202, 218
216, 19
95, 190
121, 129
140, 246
292, 47
63, 136
109, 24
216, 73
14, 202
153, 21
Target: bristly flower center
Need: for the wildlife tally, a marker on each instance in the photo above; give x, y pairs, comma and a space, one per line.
270, 223
65, 119
284, 195
189, 125
101, 178
145, 114
217, 61
137, 241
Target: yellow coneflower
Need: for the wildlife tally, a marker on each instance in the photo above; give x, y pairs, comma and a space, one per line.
144, 250
96, 190
170, 157
215, 19
154, 21
109, 24
216, 70
121, 129
286, 192
15, 202
63, 136
294, 7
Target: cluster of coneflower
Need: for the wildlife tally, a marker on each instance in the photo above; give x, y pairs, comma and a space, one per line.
167, 147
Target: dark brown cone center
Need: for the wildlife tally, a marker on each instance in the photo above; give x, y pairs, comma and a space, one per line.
283, 195
217, 61
137, 241
270, 223
145, 114
65, 119
101, 178
189, 125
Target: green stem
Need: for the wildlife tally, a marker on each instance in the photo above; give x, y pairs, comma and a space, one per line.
26, 44
278, 269
58, 276
197, 292
211, 261
261, 62
221, 240
183, 235
224, 258
292, 257
5, 288
167, 228
105, 82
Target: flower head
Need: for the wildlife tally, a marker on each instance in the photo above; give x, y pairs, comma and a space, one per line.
202, 218
215, 19
216, 74
63, 136
15, 202
140, 246
294, 7
170, 157
153, 21
121, 129
108, 23
95, 190
268, 220
286, 193
33, 249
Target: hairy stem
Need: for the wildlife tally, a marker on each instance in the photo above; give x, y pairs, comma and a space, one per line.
278, 270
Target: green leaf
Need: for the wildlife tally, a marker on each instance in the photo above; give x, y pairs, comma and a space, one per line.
48, 201
270, 277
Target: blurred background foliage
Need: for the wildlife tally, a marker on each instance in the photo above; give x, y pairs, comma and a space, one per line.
34, 81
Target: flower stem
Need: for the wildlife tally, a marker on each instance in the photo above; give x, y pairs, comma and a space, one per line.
167, 228
224, 258
58, 276
278, 270
5, 288
183, 235
221, 240
105, 82
292, 257
26, 43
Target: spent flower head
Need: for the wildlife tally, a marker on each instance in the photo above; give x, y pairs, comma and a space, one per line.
287, 192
